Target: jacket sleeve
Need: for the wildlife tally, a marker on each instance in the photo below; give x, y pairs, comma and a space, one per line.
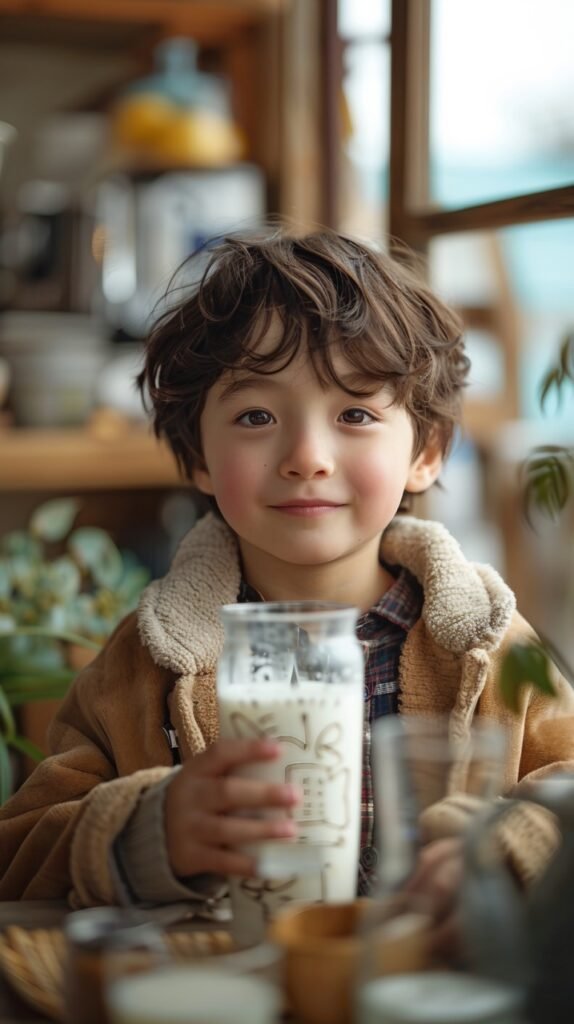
57, 831
548, 743
541, 743
543, 732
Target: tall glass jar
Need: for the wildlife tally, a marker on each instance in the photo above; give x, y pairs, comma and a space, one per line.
294, 672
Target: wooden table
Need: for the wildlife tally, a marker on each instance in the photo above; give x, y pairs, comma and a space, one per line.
51, 914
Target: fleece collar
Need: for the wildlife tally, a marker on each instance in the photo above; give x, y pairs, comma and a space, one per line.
466, 606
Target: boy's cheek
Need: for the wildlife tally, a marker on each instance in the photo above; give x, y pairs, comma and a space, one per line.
235, 487
376, 478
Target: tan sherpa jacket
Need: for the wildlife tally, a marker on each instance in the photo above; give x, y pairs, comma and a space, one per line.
57, 831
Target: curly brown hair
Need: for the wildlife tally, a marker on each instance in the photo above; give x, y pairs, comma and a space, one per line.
331, 293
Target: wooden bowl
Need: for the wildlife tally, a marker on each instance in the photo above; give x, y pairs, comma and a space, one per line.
324, 945
321, 948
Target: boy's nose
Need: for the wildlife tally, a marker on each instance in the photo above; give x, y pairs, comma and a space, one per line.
307, 457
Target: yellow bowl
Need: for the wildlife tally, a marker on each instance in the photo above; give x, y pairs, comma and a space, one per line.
321, 950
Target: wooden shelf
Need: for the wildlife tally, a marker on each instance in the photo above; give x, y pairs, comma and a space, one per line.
77, 460
208, 21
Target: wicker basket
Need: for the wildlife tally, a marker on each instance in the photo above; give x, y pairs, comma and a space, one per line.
33, 961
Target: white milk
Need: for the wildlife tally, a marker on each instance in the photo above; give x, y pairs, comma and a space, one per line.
181, 994
439, 997
320, 729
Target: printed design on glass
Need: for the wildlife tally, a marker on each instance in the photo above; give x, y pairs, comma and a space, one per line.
302, 688
268, 893
324, 780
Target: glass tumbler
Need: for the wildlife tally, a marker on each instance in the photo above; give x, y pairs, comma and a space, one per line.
294, 673
429, 783
103, 942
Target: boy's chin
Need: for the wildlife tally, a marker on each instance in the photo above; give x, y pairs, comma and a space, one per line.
308, 556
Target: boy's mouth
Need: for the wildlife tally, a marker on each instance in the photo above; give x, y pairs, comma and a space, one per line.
307, 507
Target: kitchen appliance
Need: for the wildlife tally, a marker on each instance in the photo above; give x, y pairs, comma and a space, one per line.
147, 224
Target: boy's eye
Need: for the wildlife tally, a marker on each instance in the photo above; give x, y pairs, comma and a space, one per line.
255, 418
357, 417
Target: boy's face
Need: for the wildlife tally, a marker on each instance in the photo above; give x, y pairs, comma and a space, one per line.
305, 474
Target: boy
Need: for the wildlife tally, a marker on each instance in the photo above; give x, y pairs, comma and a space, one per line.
305, 387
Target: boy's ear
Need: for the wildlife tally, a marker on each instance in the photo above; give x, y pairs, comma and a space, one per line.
426, 467
201, 479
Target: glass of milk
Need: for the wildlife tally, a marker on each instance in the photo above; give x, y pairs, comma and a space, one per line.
294, 672
193, 994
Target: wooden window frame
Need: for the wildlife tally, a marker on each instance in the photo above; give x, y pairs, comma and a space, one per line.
415, 226
409, 149
333, 46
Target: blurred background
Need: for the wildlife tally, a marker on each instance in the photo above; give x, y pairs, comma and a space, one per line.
132, 131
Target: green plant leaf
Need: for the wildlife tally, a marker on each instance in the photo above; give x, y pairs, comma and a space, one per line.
96, 553
557, 376
552, 381
557, 657
524, 665
133, 581
60, 579
25, 746
19, 544
53, 520
24, 689
43, 692
5, 578
7, 723
5, 771
53, 634
23, 571
30, 654
547, 481
567, 357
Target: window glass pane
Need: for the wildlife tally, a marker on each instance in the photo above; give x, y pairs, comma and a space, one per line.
487, 360
365, 124
540, 258
515, 286
364, 17
501, 87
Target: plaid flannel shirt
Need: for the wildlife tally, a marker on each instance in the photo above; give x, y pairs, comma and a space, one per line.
381, 632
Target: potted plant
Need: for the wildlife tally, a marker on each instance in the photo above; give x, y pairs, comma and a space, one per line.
548, 485
62, 592
528, 937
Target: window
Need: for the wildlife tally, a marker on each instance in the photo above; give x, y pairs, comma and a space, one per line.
363, 30
501, 82
481, 181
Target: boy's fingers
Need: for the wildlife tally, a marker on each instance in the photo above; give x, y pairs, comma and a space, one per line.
223, 830
231, 794
445, 940
438, 859
225, 755
208, 844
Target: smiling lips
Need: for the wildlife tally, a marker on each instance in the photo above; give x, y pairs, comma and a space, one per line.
307, 508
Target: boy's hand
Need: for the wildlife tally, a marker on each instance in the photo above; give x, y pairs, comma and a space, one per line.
438, 878
204, 805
